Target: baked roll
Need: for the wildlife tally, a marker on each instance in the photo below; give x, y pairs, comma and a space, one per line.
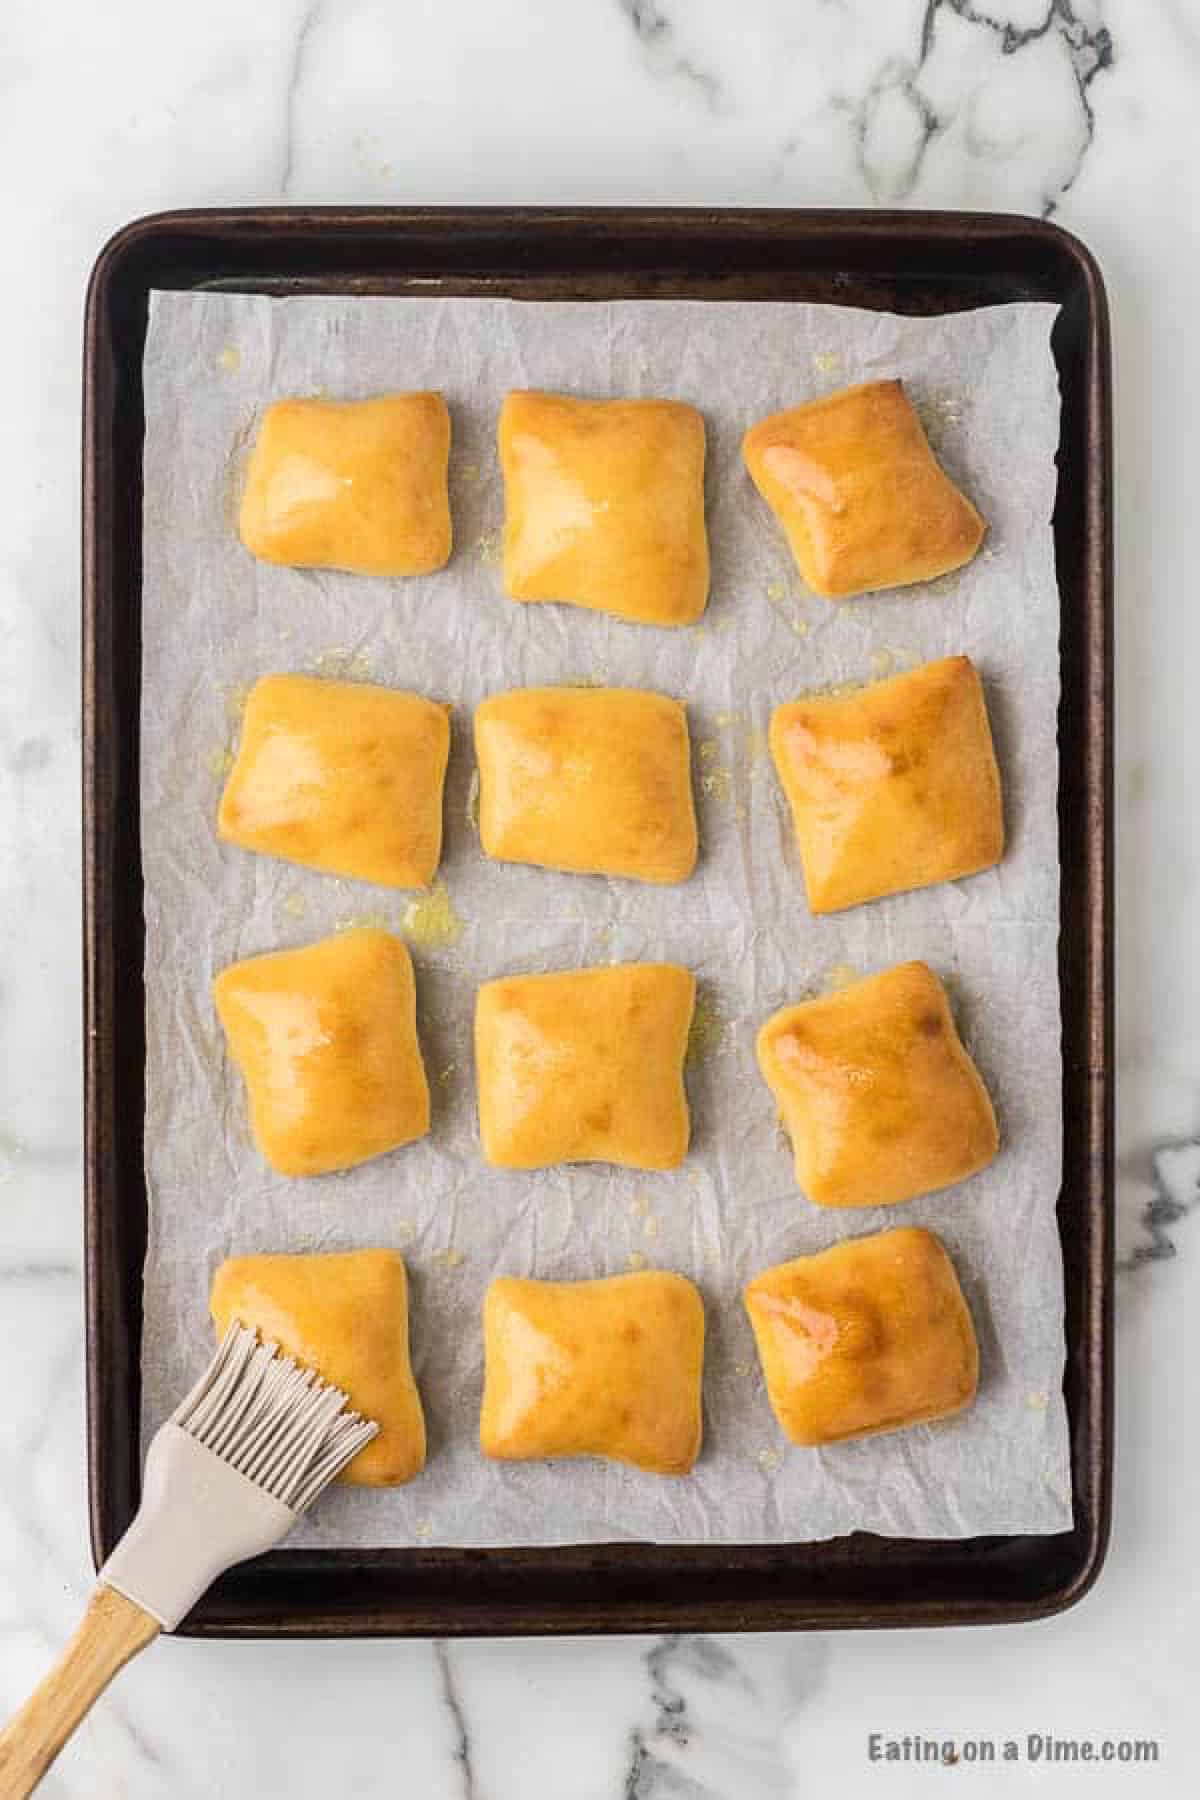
879, 1097
340, 776
893, 787
594, 1368
358, 485
595, 781
604, 505
326, 1040
870, 1336
863, 500
345, 1315
585, 1066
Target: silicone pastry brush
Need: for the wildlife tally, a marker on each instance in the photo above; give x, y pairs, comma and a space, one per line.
227, 1476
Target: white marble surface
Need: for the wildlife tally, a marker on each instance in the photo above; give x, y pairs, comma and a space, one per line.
1089, 112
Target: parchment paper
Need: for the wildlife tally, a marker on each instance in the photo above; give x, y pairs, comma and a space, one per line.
214, 620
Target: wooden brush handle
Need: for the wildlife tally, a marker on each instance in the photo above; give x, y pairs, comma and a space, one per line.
112, 1630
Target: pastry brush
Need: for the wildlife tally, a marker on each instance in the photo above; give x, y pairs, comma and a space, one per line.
227, 1476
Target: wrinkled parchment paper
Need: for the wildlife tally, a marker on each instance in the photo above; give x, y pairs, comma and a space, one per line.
214, 620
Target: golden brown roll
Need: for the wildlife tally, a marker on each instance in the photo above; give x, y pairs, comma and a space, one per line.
863, 500
594, 1368
340, 776
604, 505
893, 787
326, 1039
596, 781
879, 1097
351, 484
346, 1316
585, 1065
870, 1336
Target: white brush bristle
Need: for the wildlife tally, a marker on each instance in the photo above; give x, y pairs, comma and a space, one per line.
275, 1422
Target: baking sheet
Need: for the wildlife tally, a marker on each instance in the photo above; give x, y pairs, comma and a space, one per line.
214, 620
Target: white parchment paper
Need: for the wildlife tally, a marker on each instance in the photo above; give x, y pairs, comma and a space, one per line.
214, 620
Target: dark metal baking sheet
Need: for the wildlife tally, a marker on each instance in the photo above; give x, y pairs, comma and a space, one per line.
905, 262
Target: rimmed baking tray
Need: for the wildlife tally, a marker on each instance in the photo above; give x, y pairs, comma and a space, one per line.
905, 262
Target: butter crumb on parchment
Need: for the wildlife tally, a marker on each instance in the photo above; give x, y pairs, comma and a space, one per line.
431, 921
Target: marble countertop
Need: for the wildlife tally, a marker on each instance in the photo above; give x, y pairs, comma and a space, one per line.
1084, 111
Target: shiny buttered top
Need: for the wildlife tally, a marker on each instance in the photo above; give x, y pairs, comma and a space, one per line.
894, 786
863, 501
326, 1040
344, 1314
595, 781
604, 505
340, 776
869, 1336
585, 1065
359, 485
609, 1368
877, 1092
